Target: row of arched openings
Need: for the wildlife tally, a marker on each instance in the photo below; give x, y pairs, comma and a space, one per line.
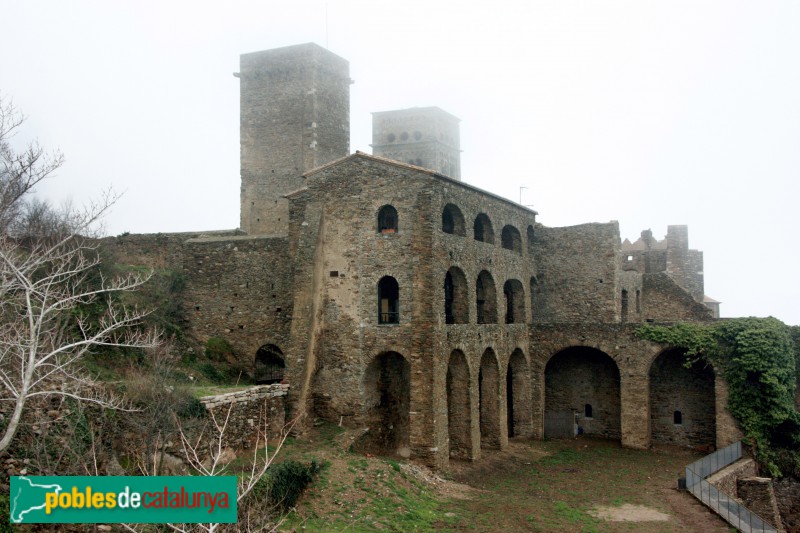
453, 223
483, 231
582, 395
456, 299
461, 385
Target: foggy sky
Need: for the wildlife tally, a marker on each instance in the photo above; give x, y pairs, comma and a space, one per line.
648, 113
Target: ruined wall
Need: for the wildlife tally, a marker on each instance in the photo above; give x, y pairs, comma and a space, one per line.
154, 250
664, 301
577, 273
240, 289
295, 116
251, 414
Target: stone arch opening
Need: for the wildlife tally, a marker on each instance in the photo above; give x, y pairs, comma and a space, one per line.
269, 366
511, 239
486, 299
682, 401
489, 391
515, 301
387, 401
482, 229
388, 301
574, 378
519, 407
387, 219
453, 221
456, 299
458, 406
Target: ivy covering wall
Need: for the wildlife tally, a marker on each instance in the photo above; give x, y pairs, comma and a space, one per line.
760, 360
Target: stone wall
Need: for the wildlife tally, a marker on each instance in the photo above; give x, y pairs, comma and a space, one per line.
664, 301
577, 274
757, 494
682, 402
787, 493
295, 107
725, 479
239, 289
249, 414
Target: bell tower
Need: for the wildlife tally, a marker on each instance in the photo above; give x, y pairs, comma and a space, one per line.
294, 116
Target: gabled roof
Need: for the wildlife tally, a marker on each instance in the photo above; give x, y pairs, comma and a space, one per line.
391, 162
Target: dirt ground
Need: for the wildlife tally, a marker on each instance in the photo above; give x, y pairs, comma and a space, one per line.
569, 485
580, 485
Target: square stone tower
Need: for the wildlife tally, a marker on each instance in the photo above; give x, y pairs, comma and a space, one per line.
295, 116
424, 136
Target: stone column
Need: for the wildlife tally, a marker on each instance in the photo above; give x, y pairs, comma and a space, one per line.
635, 410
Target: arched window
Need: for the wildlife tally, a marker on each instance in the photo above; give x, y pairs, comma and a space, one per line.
511, 239
515, 302
388, 301
483, 229
453, 220
486, 299
269, 364
455, 297
387, 219
587, 410
677, 418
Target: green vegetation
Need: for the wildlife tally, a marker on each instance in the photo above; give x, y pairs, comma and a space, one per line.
285, 482
758, 358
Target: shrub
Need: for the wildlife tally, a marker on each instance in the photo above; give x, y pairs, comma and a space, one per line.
285, 482
219, 349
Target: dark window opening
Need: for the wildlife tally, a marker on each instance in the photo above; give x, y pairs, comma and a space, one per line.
511, 239
456, 306
515, 302
483, 229
587, 411
387, 219
334, 273
624, 305
638, 301
269, 364
453, 220
677, 418
388, 301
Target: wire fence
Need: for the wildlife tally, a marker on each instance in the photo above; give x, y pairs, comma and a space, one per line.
724, 505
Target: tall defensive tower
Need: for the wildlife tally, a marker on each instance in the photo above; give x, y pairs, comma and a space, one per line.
423, 136
295, 116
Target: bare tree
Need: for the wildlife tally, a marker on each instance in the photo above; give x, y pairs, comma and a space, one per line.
44, 285
205, 455
20, 170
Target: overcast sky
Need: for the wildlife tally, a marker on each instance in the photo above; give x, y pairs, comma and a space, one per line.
648, 113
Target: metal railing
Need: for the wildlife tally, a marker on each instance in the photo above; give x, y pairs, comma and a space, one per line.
718, 501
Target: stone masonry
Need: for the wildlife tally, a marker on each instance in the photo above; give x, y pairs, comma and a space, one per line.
438, 317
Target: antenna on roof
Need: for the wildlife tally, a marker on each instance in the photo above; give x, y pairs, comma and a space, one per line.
326, 25
520, 197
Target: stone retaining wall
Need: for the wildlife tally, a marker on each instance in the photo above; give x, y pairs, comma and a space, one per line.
248, 412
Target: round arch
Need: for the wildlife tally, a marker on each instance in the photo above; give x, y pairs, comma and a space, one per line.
581, 380
682, 401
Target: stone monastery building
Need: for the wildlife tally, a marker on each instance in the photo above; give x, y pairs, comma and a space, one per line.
439, 317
